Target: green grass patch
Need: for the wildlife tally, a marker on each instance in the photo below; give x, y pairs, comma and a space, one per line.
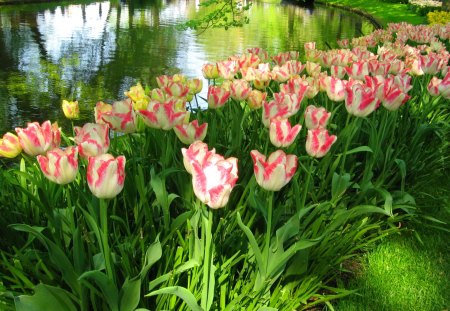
383, 12
403, 274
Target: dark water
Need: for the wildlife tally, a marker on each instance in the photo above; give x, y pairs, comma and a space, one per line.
94, 51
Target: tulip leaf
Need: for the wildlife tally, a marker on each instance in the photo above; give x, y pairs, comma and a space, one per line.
181, 292
106, 285
46, 298
253, 245
57, 256
152, 255
360, 149
339, 185
130, 294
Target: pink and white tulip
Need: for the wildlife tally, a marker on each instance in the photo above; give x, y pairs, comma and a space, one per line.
282, 134
361, 100
316, 117
35, 139
60, 166
92, 139
240, 89
106, 175
217, 96
319, 142
214, 180
274, 172
120, 117
163, 116
188, 133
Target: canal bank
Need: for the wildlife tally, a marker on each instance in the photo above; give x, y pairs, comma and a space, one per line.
382, 13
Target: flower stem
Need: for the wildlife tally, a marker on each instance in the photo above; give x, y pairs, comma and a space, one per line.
308, 178
268, 229
347, 143
207, 262
104, 234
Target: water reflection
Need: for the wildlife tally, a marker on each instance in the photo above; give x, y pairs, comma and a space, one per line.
96, 51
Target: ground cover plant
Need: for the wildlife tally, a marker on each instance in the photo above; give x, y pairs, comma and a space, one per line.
252, 198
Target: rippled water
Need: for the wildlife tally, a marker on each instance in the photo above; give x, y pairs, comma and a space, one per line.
95, 51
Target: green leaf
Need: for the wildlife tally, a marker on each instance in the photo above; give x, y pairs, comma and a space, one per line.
106, 285
130, 294
360, 149
152, 255
339, 185
46, 298
253, 245
181, 292
57, 256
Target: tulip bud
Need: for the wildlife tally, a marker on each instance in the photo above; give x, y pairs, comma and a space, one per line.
35, 139
10, 146
106, 175
319, 142
71, 109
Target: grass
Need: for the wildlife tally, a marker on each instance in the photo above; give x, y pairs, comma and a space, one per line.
383, 12
404, 273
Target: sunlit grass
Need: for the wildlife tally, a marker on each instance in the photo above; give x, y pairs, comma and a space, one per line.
403, 274
383, 12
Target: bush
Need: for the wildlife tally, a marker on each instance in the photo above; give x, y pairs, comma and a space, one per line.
438, 17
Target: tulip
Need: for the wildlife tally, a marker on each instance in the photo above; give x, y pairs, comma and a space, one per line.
316, 117
310, 45
281, 133
71, 109
319, 142
121, 116
214, 181
210, 71
163, 116
312, 68
272, 110
335, 88
100, 110
106, 175
60, 166
444, 86
239, 90
276, 172
290, 100
394, 97
92, 139
249, 73
294, 67
280, 74
281, 58
195, 86
358, 70
248, 60
10, 146
56, 135
361, 100
198, 152
256, 98
227, 69
156, 94
139, 97
262, 54
188, 133
337, 71
433, 86
35, 139
217, 96
176, 89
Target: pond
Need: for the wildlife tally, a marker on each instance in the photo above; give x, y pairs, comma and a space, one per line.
92, 51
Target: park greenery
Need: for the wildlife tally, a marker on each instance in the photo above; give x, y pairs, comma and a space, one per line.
261, 201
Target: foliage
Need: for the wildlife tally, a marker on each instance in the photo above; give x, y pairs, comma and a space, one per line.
158, 246
220, 14
438, 17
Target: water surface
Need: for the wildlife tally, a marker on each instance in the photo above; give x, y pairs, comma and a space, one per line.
95, 51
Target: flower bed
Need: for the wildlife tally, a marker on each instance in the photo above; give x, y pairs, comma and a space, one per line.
254, 202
